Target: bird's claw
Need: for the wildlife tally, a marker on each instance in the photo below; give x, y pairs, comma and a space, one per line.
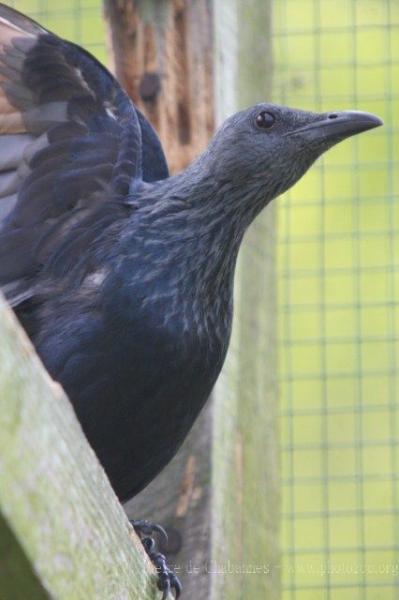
144, 527
167, 580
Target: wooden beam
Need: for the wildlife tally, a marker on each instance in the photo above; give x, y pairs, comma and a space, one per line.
219, 497
246, 497
63, 533
161, 52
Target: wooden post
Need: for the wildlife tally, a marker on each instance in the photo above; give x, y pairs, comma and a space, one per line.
219, 497
63, 533
245, 463
161, 52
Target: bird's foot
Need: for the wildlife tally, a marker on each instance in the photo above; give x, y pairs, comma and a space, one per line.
167, 580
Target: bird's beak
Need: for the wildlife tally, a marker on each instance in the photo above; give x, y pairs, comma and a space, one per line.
337, 126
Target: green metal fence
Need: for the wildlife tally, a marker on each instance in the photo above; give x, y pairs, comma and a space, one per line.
338, 300
338, 284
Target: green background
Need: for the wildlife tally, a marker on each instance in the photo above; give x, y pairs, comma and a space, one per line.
338, 288
338, 292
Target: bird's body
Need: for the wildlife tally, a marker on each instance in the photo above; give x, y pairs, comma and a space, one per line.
139, 343
121, 275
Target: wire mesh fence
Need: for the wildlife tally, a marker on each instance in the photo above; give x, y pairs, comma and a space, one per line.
338, 284
80, 21
338, 301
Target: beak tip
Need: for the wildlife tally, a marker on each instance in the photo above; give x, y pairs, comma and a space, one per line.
373, 120
362, 121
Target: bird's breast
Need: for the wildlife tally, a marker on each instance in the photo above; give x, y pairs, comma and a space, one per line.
138, 366
168, 364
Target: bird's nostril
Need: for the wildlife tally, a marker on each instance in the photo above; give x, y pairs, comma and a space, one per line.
333, 116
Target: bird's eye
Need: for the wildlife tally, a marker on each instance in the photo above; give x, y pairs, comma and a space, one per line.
265, 120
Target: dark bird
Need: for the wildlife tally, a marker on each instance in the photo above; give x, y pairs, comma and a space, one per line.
121, 275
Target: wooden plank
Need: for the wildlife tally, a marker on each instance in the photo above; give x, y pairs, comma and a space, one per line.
63, 533
161, 51
245, 463
219, 497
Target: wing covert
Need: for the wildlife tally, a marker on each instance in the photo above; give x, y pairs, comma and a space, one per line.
72, 144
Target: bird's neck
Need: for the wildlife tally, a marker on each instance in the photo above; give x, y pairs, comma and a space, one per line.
200, 226
183, 243
181, 247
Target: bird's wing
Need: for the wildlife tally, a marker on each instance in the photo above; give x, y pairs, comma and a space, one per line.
72, 144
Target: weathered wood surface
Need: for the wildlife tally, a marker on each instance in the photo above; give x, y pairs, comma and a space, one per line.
161, 51
219, 496
63, 534
245, 478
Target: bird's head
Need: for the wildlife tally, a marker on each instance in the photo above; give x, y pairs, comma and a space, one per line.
265, 149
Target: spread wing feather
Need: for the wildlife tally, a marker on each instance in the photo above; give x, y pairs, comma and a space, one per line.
72, 144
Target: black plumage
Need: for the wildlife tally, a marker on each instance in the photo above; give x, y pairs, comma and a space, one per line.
121, 275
